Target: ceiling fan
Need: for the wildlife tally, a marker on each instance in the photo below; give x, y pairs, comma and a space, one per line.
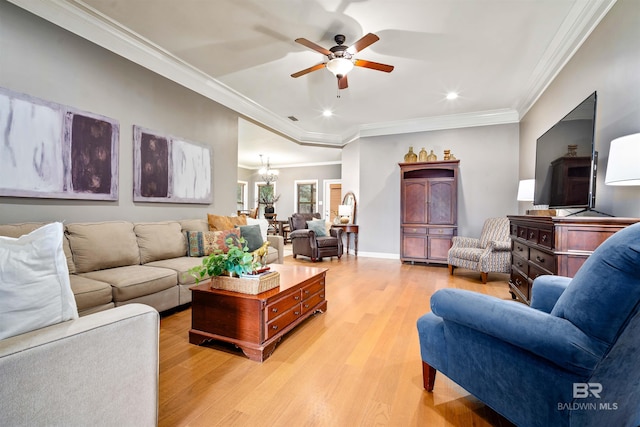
341, 58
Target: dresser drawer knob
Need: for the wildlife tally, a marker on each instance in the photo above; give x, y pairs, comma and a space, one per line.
297, 297
306, 291
274, 309
306, 306
531, 235
519, 264
274, 327
539, 259
518, 282
296, 313
544, 238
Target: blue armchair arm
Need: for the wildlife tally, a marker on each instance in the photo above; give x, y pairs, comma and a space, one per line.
546, 290
550, 337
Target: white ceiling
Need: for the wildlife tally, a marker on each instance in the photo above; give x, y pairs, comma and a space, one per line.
498, 54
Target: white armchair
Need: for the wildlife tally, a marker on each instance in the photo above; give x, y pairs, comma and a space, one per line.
490, 253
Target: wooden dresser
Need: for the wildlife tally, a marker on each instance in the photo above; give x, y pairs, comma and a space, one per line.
554, 245
428, 210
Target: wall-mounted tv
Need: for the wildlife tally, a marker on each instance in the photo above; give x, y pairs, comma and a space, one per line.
566, 160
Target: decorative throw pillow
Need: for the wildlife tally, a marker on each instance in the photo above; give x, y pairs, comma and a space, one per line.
221, 222
318, 226
204, 243
252, 236
34, 282
264, 226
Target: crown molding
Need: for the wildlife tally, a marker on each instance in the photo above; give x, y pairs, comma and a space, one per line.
86, 22
582, 19
453, 121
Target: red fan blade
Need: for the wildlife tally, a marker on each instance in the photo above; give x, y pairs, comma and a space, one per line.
308, 70
311, 45
373, 65
365, 41
342, 82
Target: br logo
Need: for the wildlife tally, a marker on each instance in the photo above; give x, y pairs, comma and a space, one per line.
583, 390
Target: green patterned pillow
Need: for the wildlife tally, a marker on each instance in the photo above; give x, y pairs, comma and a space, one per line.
204, 243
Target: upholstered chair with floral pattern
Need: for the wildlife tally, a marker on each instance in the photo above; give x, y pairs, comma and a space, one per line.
491, 253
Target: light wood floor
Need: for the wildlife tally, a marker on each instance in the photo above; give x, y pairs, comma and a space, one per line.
358, 364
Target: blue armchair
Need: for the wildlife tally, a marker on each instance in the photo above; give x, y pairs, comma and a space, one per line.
570, 359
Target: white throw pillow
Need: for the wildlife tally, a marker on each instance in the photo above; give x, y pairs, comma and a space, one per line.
34, 282
264, 226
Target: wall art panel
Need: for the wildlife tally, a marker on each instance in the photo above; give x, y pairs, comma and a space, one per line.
170, 169
48, 150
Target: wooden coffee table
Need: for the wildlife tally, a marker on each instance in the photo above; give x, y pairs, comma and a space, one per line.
256, 323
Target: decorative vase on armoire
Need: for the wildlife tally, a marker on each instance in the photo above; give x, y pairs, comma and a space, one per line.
422, 157
410, 157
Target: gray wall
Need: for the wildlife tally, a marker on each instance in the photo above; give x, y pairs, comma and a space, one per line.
609, 63
285, 186
487, 187
47, 62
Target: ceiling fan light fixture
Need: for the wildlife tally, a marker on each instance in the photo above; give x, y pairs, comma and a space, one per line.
340, 66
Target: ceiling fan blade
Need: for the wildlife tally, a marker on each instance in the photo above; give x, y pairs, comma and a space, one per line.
365, 41
313, 46
342, 82
373, 65
308, 70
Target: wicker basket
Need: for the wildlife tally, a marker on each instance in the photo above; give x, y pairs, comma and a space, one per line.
247, 285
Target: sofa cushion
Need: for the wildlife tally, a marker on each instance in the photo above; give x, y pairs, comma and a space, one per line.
135, 281
160, 240
181, 266
90, 293
34, 282
252, 236
204, 243
17, 230
100, 245
221, 222
194, 224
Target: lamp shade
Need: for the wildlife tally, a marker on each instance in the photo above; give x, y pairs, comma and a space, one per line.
623, 167
525, 190
344, 210
340, 66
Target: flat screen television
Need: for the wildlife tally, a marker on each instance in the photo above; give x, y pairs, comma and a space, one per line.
566, 161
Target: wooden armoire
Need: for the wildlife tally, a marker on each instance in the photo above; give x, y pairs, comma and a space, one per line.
428, 210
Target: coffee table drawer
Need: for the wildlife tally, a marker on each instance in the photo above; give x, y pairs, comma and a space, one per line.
278, 307
312, 301
283, 321
312, 289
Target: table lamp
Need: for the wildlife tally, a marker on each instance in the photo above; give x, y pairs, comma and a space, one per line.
525, 190
624, 160
344, 212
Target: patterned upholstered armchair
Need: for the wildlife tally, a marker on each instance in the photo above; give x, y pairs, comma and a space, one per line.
491, 253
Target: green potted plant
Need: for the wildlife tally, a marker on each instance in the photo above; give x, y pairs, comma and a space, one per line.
237, 261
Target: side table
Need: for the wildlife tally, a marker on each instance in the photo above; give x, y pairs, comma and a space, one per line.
348, 229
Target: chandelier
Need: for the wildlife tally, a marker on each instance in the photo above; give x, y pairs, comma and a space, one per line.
268, 175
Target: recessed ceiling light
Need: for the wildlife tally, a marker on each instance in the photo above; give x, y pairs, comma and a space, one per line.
452, 95
327, 113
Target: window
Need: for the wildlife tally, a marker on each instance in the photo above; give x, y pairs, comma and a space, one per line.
266, 196
307, 197
241, 196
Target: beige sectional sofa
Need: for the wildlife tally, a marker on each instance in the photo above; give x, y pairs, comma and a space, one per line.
119, 262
